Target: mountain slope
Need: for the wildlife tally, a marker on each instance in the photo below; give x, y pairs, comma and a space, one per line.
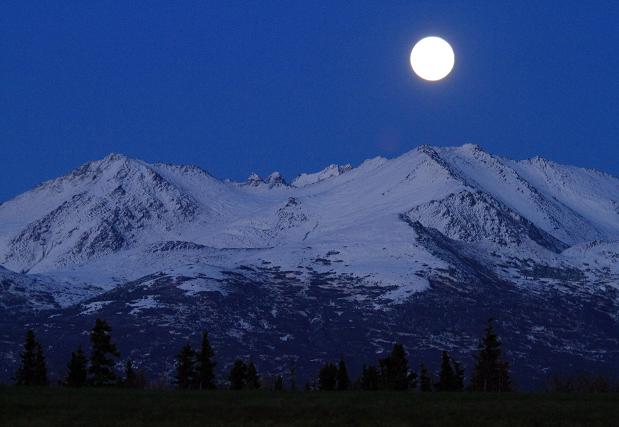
363, 254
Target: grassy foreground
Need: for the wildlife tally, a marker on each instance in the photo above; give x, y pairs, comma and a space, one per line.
110, 407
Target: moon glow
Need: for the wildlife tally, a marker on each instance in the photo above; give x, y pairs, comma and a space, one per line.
432, 58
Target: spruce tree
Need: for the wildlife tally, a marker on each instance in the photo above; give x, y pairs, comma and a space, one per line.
459, 372
141, 380
32, 369
425, 379
504, 382
40, 366
206, 365
447, 376
327, 377
101, 368
412, 380
343, 381
293, 378
77, 370
278, 383
185, 368
394, 369
131, 377
491, 373
253, 381
238, 375
25, 373
369, 378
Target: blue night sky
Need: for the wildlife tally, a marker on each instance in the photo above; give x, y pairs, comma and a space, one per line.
236, 87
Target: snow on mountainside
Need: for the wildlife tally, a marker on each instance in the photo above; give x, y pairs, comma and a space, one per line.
547, 204
108, 207
435, 227
312, 178
99, 209
473, 217
21, 293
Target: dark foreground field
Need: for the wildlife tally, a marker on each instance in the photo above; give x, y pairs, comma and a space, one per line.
62, 407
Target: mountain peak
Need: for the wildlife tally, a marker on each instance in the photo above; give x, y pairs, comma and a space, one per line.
539, 160
432, 150
254, 180
328, 172
276, 179
113, 157
426, 149
96, 167
471, 147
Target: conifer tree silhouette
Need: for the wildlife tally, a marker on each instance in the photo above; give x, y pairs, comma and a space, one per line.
253, 381
447, 377
278, 383
327, 377
77, 369
459, 372
101, 368
425, 379
293, 377
394, 370
40, 366
185, 368
369, 378
238, 375
491, 372
131, 377
343, 381
206, 365
33, 368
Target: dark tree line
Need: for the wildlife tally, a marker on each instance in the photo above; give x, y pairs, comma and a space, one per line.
393, 373
99, 370
490, 374
96, 371
243, 376
195, 369
333, 377
451, 375
581, 382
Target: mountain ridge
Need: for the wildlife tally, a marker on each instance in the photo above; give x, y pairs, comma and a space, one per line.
376, 244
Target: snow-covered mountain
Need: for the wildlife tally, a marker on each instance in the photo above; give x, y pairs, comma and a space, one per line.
420, 248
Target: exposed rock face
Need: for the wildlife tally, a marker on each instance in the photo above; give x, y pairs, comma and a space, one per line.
254, 180
276, 180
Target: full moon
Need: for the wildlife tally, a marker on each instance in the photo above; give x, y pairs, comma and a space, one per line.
432, 58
